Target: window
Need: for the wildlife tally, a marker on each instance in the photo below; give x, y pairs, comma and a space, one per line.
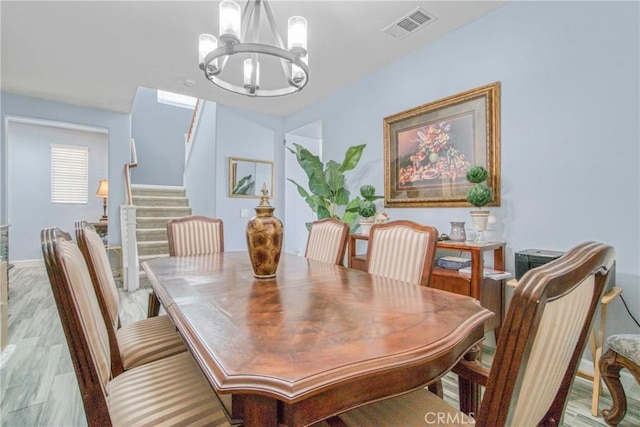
69, 174
176, 99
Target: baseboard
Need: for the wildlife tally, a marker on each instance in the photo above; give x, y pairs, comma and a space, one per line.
159, 187
28, 263
631, 387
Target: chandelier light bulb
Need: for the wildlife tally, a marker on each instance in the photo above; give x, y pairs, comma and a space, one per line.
207, 44
248, 69
229, 22
297, 35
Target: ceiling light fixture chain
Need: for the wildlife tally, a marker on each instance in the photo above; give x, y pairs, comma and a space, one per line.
242, 39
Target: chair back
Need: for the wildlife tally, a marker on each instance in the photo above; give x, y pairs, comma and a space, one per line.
327, 241
543, 337
195, 235
402, 250
82, 322
97, 259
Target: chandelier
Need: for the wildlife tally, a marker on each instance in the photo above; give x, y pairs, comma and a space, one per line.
239, 38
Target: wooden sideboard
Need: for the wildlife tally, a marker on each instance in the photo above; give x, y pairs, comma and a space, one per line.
488, 291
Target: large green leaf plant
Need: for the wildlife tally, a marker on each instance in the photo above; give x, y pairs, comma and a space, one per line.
327, 195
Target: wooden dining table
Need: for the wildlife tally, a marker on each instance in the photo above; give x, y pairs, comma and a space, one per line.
316, 340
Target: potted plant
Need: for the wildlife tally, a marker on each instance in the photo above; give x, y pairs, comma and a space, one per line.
479, 195
327, 196
367, 208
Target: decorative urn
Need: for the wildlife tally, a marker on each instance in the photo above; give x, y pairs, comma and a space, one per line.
264, 239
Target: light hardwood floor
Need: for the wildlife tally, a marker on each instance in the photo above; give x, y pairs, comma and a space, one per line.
38, 386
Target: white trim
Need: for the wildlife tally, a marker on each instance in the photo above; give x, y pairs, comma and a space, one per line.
25, 263
159, 187
56, 124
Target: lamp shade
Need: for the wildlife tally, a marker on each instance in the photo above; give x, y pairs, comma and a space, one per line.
103, 188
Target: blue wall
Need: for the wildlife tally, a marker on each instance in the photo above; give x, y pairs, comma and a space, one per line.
570, 125
29, 199
225, 132
118, 126
158, 130
201, 173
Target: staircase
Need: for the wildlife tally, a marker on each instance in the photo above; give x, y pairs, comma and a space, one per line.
155, 205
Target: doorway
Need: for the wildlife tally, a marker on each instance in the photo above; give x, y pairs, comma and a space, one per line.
297, 211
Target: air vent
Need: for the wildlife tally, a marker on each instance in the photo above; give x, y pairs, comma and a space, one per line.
410, 23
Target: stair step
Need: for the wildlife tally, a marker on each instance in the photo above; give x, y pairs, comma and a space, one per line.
157, 190
145, 223
161, 211
153, 248
151, 234
160, 201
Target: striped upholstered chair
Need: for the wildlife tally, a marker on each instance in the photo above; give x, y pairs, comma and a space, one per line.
327, 241
195, 235
402, 250
136, 343
144, 395
536, 358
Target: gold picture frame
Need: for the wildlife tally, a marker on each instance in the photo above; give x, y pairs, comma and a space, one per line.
247, 176
428, 149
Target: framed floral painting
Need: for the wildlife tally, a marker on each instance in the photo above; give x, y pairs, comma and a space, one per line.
429, 149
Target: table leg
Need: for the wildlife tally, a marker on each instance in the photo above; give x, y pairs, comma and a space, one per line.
260, 411
153, 308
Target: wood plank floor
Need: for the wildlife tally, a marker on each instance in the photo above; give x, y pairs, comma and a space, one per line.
38, 386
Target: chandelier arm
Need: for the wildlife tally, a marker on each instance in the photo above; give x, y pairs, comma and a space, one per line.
276, 34
253, 86
247, 13
272, 24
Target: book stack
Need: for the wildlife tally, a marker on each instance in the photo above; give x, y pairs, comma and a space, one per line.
453, 262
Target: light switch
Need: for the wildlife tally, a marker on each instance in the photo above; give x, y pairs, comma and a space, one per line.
244, 213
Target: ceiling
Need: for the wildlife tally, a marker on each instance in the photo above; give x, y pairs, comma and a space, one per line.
97, 53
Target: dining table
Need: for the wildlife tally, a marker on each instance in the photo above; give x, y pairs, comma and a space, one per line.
316, 340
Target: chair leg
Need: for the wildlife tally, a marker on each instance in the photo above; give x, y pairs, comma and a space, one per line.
610, 371
437, 389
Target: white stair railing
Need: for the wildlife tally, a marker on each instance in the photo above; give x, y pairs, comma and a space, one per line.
130, 265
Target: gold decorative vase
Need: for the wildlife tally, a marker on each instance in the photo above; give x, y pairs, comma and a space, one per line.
264, 239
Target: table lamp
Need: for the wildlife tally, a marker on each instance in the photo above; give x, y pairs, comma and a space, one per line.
103, 191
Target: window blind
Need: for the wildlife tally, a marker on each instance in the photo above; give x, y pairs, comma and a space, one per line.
69, 174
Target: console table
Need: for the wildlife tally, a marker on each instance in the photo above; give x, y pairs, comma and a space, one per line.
489, 292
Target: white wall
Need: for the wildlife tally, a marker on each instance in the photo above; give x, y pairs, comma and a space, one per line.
570, 125
30, 207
